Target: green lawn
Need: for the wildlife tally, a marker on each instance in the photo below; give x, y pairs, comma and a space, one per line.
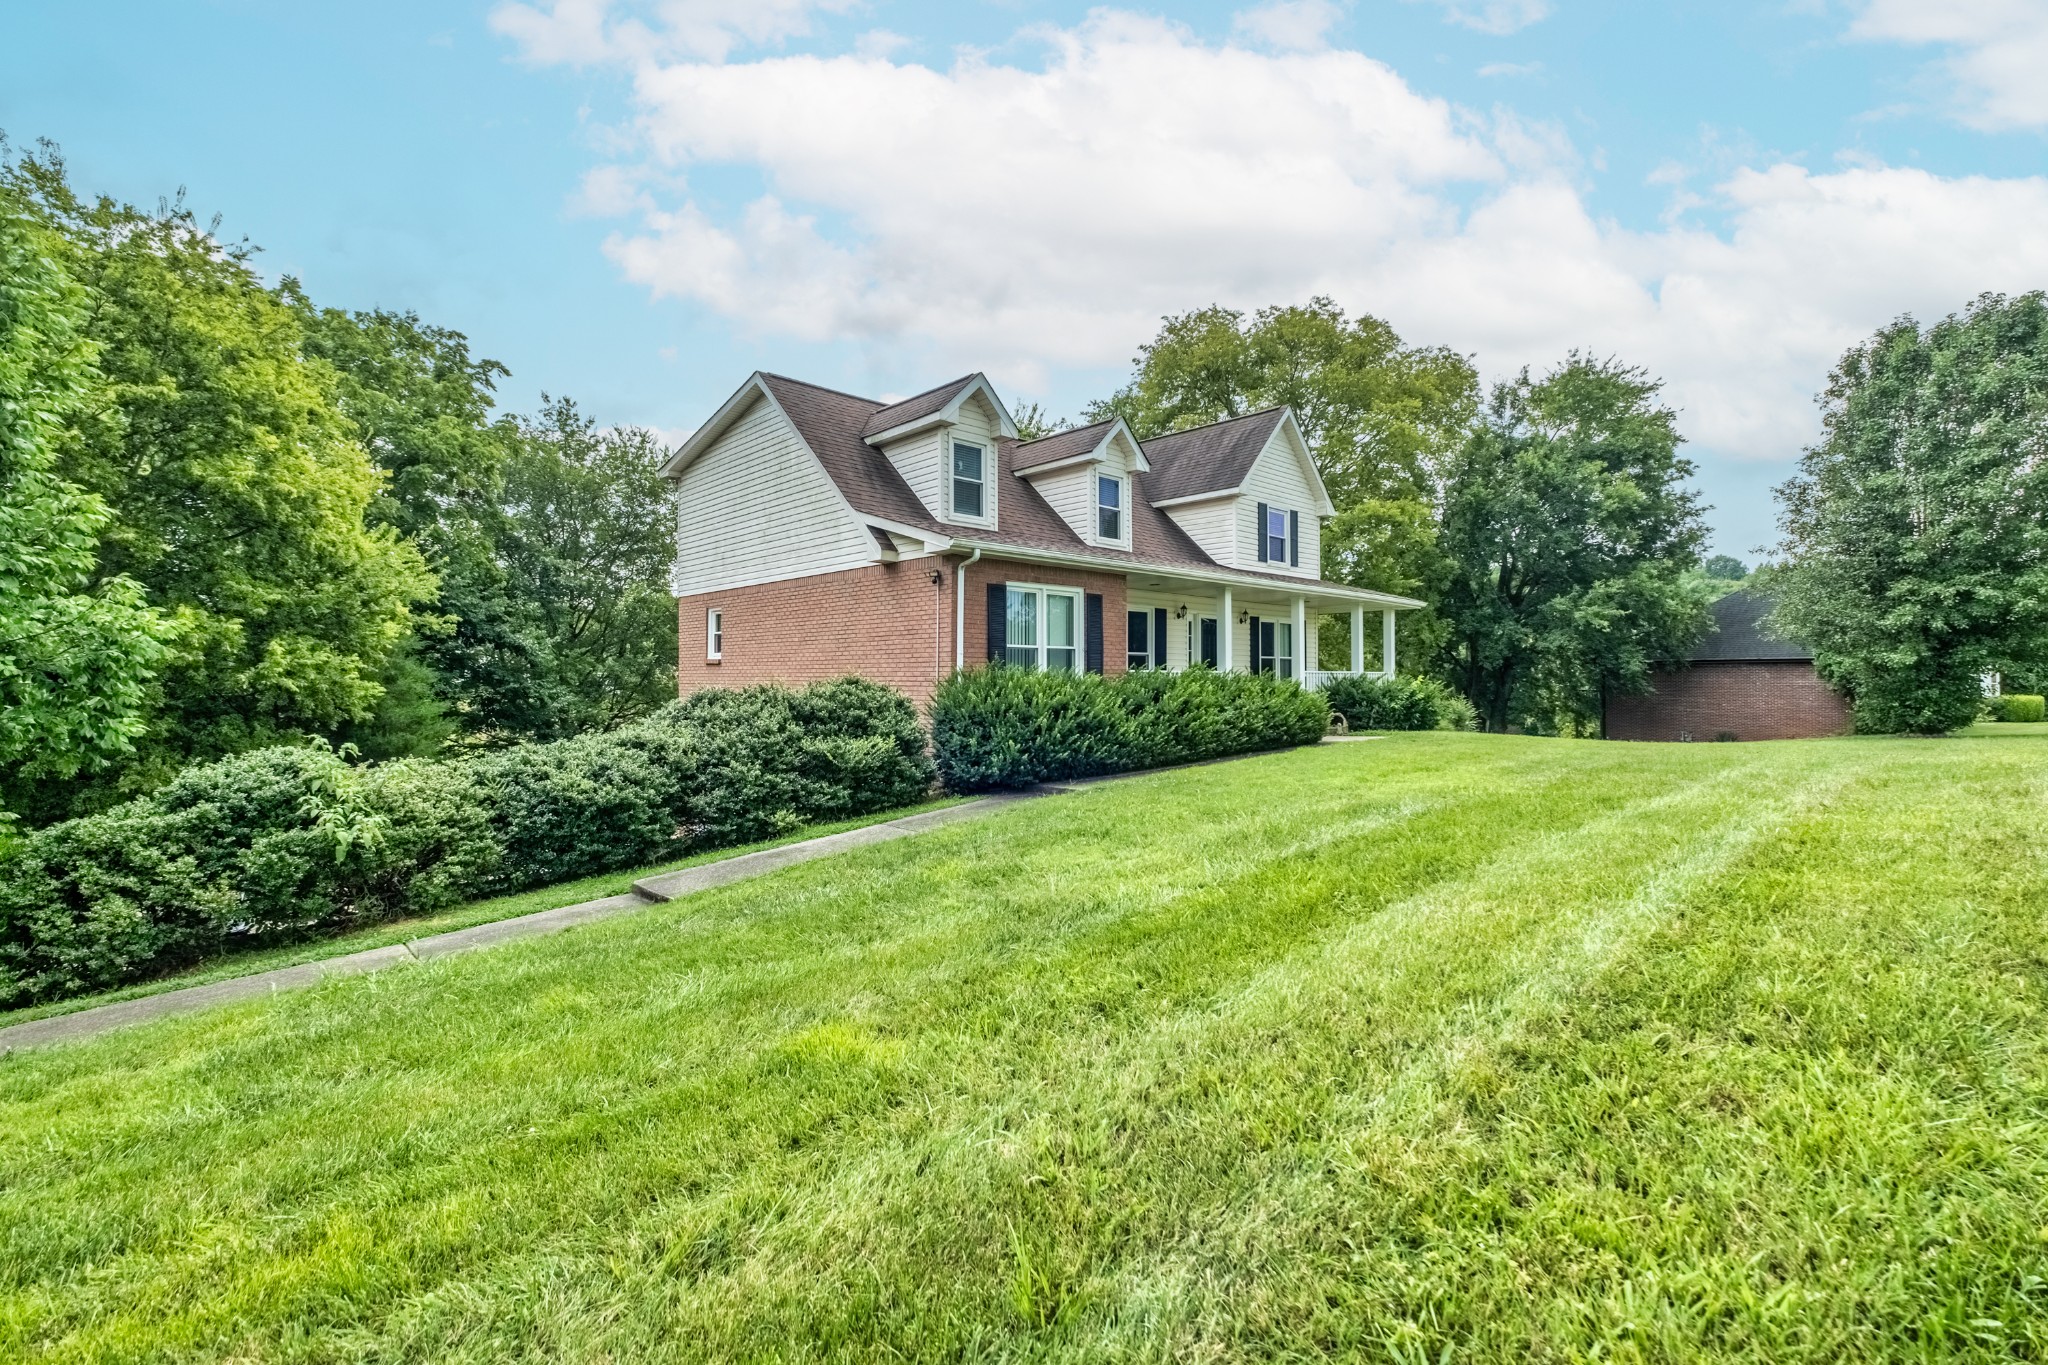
1437, 1047
447, 921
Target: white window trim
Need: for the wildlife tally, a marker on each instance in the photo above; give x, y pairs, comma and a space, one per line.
988, 481
1278, 561
1045, 590
714, 635
1123, 520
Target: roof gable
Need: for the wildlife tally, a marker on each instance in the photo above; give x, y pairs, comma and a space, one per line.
934, 406
1742, 633
1077, 444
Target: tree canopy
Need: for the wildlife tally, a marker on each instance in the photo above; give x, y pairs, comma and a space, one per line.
1916, 531
78, 649
1572, 543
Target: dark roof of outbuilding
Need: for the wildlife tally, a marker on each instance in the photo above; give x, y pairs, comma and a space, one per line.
1211, 459
1741, 633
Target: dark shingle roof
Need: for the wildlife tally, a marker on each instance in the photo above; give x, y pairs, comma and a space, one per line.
1061, 445
1211, 459
910, 409
1742, 636
830, 423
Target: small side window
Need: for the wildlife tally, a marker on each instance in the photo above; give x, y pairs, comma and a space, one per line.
1138, 640
970, 480
1276, 535
1109, 507
714, 635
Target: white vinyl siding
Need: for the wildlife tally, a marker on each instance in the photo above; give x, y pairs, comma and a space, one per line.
756, 508
1197, 605
1213, 526
1069, 492
1278, 480
922, 461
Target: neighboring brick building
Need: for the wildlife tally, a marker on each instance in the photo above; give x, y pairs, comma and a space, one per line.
1741, 683
819, 534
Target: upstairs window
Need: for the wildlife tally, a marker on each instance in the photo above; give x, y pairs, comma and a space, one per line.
970, 480
1109, 507
1276, 536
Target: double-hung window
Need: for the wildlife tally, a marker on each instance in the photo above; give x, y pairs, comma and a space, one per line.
714, 634
1138, 640
1109, 507
1043, 628
970, 480
1276, 535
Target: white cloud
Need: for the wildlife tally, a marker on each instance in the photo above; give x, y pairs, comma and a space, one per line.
584, 32
1288, 25
1494, 16
1025, 218
1492, 69
1998, 71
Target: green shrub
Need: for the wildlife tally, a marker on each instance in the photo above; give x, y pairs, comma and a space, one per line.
292, 841
1009, 727
269, 844
1399, 704
2017, 707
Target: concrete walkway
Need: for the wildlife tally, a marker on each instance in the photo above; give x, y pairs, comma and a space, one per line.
647, 891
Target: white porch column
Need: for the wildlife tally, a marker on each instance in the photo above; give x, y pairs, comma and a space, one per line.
1358, 639
1301, 640
1387, 640
1226, 633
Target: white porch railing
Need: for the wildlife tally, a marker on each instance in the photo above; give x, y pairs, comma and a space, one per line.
1316, 677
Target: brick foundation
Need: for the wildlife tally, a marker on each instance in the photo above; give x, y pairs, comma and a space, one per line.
1745, 700
886, 622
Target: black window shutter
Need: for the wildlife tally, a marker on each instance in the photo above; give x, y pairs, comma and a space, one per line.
1262, 533
1252, 639
998, 619
1294, 539
1094, 632
1159, 637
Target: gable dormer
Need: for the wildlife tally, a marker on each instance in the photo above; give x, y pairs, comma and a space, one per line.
1246, 490
1085, 476
943, 443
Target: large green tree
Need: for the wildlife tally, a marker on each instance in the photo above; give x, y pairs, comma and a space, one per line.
1573, 547
586, 536
1379, 416
1916, 531
237, 489
78, 650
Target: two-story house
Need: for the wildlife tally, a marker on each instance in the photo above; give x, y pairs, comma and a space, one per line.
820, 534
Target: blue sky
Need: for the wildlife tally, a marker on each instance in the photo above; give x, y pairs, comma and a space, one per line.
637, 205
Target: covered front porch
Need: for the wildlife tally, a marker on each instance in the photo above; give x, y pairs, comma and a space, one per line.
1177, 622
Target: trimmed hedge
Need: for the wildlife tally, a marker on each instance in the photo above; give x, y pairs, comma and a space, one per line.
1399, 704
1008, 727
293, 842
2017, 707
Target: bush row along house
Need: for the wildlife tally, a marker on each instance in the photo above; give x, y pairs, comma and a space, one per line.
820, 534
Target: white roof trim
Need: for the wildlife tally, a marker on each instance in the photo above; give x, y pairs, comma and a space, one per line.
950, 414
728, 412
1094, 455
1279, 587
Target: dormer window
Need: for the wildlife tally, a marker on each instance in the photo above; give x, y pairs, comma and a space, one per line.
970, 479
1109, 507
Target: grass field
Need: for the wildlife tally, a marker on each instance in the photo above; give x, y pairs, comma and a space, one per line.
1431, 1048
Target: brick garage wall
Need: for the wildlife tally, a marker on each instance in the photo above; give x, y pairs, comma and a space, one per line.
886, 622
1747, 700
987, 571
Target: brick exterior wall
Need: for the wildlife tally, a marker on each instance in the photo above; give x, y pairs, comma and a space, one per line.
1746, 700
887, 622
